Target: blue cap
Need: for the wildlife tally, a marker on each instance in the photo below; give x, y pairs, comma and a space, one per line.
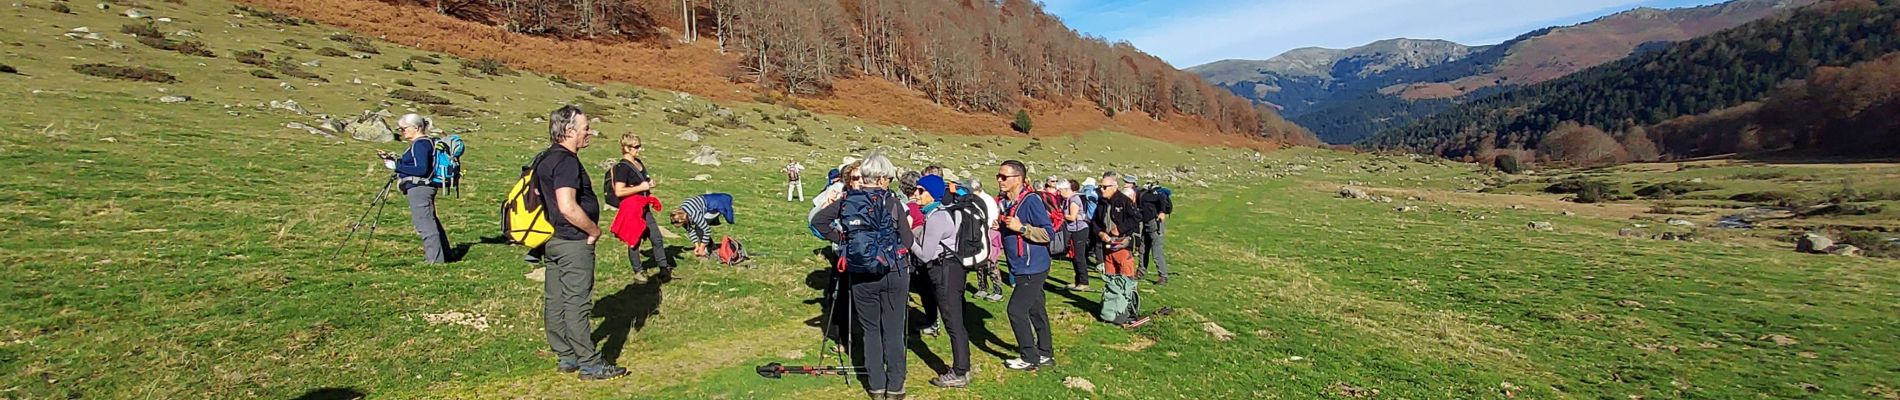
832, 176
934, 184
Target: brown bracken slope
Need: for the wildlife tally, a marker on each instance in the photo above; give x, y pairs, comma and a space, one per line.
700, 69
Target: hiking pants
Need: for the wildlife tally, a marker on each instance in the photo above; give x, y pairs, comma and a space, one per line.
926, 293
880, 303
1153, 239
659, 247
435, 244
794, 188
567, 299
950, 278
1083, 244
1029, 317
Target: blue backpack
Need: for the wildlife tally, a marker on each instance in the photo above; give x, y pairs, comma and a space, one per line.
448, 162
872, 244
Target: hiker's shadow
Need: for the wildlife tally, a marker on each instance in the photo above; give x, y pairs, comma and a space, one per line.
626, 311
1088, 306
975, 319
915, 343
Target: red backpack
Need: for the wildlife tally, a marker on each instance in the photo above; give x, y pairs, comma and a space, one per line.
1058, 209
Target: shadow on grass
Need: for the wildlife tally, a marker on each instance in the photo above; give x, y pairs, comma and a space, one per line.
332, 394
625, 312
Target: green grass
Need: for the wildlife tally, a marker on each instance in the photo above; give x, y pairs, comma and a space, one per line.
182, 251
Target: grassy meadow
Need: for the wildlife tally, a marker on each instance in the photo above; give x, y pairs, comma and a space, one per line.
183, 250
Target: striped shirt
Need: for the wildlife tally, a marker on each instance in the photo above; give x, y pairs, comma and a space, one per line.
701, 211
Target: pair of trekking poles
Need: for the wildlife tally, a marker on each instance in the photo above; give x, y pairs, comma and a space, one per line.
376, 204
842, 369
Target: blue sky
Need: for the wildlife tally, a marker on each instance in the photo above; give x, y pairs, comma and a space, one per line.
1194, 32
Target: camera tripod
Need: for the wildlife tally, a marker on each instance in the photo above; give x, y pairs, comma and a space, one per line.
375, 205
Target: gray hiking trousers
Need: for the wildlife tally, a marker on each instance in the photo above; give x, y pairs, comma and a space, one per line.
1154, 234
435, 243
567, 299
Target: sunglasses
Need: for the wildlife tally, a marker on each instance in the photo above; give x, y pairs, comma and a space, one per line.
1005, 176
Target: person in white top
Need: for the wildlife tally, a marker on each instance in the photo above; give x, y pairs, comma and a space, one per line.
793, 183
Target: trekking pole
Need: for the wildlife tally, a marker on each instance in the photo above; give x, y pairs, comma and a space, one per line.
382, 200
375, 205
776, 370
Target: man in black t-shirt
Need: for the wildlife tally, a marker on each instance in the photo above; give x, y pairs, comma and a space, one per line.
574, 211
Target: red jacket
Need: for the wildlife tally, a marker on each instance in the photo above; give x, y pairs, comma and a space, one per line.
630, 225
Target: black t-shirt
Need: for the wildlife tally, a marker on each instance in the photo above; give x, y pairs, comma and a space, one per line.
562, 169
626, 173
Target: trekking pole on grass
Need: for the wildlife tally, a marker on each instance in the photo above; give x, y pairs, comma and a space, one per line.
776, 370
376, 206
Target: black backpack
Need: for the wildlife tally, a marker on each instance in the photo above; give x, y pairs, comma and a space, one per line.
872, 244
973, 226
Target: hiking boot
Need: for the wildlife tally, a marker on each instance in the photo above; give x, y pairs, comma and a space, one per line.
1163, 281
951, 379
994, 296
879, 395
894, 396
1047, 362
1019, 365
1078, 288
601, 373
931, 330
567, 367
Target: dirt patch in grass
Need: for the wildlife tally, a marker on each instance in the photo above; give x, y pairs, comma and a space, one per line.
134, 73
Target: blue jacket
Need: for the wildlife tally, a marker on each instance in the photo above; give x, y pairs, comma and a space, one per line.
1026, 257
419, 161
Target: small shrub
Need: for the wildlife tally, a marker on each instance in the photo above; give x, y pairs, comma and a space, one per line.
599, 93
392, 68
1871, 244
252, 57
1508, 164
405, 82
331, 52
288, 67
270, 16
451, 111
141, 74
1022, 123
408, 66
263, 74
483, 99
1774, 197
678, 119
799, 136
419, 97
457, 90
424, 60
489, 66
366, 48
148, 30
1763, 176
60, 8
1673, 189
8, 69
1568, 185
1595, 192
730, 122
293, 43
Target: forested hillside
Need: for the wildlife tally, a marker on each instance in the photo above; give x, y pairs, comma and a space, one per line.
1347, 95
975, 57
1694, 77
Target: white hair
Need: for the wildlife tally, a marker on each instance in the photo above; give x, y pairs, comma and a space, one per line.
413, 121
877, 166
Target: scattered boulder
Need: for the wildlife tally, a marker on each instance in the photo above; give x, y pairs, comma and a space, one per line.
370, 127
1844, 250
705, 155
1079, 384
289, 105
1540, 226
174, 99
1629, 232
1352, 193
1813, 243
722, 112
1220, 334
1680, 222
1567, 213
135, 13
690, 135
308, 128
1406, 209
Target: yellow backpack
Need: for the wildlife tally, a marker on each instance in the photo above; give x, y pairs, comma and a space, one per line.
524, 218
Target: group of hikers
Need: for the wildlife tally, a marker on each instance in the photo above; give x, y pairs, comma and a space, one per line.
891, 233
